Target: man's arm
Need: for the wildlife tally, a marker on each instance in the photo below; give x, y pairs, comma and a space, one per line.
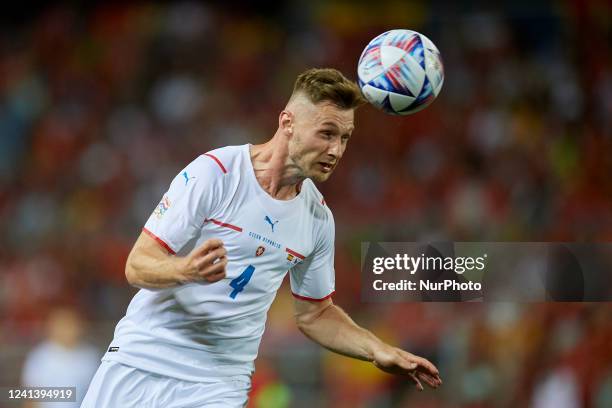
150, 266
328, 325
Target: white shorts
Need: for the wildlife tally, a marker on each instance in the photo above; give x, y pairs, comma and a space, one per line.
118, 385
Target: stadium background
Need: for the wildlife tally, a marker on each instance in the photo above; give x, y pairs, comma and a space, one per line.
100, 107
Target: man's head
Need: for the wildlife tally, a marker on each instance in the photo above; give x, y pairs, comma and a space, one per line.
65, 327
318, 121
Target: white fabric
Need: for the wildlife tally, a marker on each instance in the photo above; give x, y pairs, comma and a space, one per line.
117, 385
199, 331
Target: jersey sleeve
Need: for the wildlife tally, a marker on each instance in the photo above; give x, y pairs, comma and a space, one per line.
192, 196
314, 278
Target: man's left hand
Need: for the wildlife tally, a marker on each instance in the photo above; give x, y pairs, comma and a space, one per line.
397, 361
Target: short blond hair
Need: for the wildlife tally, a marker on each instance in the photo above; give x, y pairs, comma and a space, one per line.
328, 84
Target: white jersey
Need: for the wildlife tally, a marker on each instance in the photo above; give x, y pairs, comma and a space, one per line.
200, 330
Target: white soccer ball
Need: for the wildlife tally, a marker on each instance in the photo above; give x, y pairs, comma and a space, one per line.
400, 72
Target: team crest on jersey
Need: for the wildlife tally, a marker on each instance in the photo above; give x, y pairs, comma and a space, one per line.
162, 207
260, 250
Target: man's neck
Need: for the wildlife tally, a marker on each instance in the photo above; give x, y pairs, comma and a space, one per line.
273, 170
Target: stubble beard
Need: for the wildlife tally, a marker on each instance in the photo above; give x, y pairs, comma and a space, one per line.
311, 172
319, 177
305, 169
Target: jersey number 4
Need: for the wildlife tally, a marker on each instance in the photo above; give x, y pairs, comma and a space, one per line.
241, 281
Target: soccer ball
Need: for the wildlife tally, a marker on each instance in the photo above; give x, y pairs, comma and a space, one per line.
400, 72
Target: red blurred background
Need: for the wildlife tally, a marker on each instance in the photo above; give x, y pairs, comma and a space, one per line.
101, 106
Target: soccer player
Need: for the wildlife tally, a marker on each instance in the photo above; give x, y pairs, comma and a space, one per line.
214, 252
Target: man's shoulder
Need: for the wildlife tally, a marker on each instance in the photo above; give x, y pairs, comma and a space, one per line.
309, 187
225, 158
221, 161
318, 206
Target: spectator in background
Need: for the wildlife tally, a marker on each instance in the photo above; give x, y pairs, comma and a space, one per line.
63, 359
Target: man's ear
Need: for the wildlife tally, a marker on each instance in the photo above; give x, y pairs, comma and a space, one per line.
285, 122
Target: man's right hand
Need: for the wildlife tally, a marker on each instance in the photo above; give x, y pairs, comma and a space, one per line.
151, 266
205, 263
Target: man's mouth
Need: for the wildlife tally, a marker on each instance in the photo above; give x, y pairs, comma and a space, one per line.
327, 167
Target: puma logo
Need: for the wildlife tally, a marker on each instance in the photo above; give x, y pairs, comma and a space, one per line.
269, 221
187, 178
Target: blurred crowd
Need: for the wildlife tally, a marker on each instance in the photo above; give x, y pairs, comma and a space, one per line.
101, 107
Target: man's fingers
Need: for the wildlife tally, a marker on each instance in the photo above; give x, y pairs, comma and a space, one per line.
416, 382
426, 370
206, 262
207, 246
422, 362
215, 278
416, 368
422, 368
412, 371
428, 379
212, 256
216, 271
429, 366
407, 364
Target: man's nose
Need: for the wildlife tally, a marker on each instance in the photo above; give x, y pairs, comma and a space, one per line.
335, 148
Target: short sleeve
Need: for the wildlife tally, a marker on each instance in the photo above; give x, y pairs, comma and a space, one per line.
314, 278
192, 196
